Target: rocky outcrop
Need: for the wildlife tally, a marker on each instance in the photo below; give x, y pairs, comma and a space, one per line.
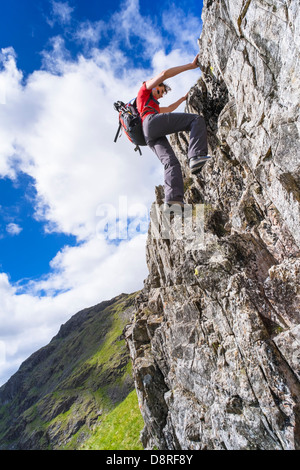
215, 338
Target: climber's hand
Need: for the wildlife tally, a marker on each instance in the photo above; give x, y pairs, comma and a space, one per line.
194, 64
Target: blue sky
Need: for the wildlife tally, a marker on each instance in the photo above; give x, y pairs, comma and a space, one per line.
28, 26
62, 65
26, 249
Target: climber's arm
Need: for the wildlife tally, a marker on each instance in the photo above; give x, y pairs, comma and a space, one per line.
172, 107
169, 73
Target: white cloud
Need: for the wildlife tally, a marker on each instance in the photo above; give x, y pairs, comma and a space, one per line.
10, 79
61, 13
129, 23
13, 229
92, 274
182, 26
59, 127
66, 144
53, 59
89, 33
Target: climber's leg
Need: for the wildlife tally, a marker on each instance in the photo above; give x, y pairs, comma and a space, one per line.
159, 125
173, 176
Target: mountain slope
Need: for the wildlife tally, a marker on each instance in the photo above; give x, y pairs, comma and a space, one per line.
60, 395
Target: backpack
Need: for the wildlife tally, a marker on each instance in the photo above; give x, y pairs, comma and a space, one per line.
130, 121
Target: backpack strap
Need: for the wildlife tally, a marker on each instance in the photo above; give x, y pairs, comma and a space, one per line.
137, 148
152, 98
147, 107
118, 132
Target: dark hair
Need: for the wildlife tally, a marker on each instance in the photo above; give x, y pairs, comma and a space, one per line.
167, 87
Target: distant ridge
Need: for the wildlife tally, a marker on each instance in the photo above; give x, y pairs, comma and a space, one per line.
60, 394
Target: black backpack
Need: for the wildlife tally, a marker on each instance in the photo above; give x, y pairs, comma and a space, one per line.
130, 121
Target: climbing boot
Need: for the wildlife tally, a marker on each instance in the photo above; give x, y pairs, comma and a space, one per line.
196, 163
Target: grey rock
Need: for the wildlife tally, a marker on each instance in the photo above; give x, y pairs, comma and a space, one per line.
215, 338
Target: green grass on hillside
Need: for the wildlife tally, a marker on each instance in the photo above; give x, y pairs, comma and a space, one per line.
120, 429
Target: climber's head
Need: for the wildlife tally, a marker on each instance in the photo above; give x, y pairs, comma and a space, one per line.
160, 90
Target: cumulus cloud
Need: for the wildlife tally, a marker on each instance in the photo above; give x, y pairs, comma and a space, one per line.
89, 33
132, 25
13, 229
182, 32
61, 13
58, 127
83, 276
65, 143
54, 58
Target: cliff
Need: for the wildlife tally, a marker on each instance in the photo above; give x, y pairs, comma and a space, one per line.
215, 340
63, 395
214, 334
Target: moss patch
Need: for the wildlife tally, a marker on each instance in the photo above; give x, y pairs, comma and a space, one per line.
120, 429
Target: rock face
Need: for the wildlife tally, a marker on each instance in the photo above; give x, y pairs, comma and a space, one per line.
215, 339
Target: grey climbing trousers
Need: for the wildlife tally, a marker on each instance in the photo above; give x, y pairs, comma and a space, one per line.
156, 127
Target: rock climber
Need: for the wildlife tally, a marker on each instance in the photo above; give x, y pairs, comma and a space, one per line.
158, 122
